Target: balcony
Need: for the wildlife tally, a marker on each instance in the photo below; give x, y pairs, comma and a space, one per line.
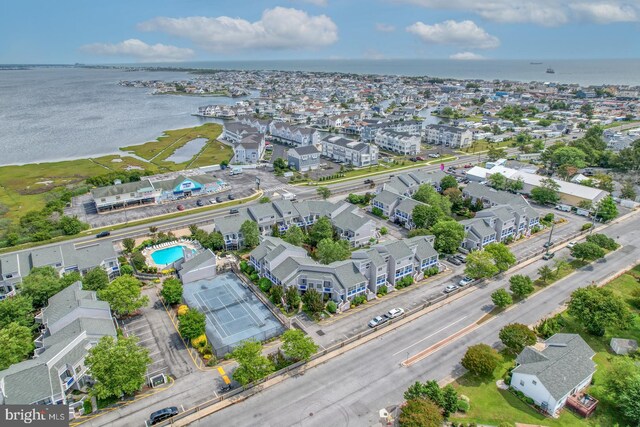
582, 404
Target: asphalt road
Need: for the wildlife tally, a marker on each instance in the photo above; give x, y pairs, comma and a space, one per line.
349, 390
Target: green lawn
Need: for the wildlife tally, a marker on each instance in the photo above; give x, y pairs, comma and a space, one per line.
492, 406
483, 145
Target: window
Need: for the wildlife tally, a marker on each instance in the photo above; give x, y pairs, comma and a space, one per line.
521, 382
534, 382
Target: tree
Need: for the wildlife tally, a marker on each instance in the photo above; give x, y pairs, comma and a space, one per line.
252, 365
545, 273
264, 199
449, 236
17, 344
41, 284
501, 298
587, 251
606, 209
425, 216
128, 244
72, 225
329, 251
619, 376
294, 235
516, 337
292, 297
515, 185
520, 285
547, 192
322, 229
126, 269
279, 164
570, 156
171, 291
495, 153
192, 324
481, 360
313, 300
501, 255
250, 234
118, 367
123, 295
449, 400
16, 309
298, 346
603, 241
448, 182
276, 293
498, 181
323, 192
587, 110
420, 413
598, 309
95, 279
629, 401
629, 190
480, 265
429, 196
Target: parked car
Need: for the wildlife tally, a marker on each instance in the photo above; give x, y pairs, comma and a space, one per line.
199, 202
548, 244
103, 234
462, 258
368, 181
377, 321
413, 159
468, 166
571, 244
231, 197
162, 415
434, 155
420, 158
234, 211
548, 256
465, 281
180, 207
450, 289
454, 260
395, 312
212, 201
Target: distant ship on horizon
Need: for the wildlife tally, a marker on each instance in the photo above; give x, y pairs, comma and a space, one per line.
535, 63
550, 71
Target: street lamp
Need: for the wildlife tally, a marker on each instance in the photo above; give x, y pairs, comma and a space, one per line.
550, 234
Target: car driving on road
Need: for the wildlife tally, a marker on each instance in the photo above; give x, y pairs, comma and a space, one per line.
162, 415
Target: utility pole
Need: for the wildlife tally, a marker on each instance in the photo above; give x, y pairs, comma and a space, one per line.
593, 219
550, 234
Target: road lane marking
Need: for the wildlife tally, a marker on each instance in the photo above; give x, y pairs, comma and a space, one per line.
224, 376
440, 344
427, 337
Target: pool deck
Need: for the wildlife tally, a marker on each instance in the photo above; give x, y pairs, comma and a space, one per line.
188, 243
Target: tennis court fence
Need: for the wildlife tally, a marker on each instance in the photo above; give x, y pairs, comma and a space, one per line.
263, 336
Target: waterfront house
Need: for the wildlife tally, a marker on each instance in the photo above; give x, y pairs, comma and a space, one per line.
249, 149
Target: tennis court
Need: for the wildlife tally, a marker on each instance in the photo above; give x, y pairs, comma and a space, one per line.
234, 314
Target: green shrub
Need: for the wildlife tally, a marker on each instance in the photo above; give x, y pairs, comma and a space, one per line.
254, 277
528, 401
264, 284
332, 307
432, 271
86, 407
586, 226
357, 300
382, 290
463, 405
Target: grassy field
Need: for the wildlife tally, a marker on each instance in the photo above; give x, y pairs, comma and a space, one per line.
483, 145
492, 406
159, 150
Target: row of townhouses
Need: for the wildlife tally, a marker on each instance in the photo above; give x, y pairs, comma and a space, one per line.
63, 258
506, 216
358, 154
293, 135
350, 224
73, 321
247, 140
370, 128
394, 197
150, 191
398, 142
448, 136
368, 269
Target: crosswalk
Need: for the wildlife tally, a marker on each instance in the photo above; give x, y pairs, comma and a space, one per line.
277, 188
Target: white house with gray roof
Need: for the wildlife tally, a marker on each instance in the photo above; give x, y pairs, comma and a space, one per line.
294, 135
304, 159
449, 136
352, 225
398, 142
234, 132
358, 154
73, 322
549, 373
367, 270
249, 149
64, 258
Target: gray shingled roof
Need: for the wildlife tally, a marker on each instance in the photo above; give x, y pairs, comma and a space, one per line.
204, 257
69, 299
349, 221
407, 205
386, 197
231, 223
561, 366
479, 227
397, 249
477, 190
128, 187
305, 150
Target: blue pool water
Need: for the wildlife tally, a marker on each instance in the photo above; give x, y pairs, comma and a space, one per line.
168, 255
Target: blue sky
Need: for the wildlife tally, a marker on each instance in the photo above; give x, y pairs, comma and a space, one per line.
119, 31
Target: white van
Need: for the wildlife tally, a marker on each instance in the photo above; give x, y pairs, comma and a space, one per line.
563, 208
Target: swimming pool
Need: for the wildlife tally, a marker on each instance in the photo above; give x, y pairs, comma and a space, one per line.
169, 255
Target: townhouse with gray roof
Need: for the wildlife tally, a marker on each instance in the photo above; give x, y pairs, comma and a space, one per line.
249, 149
398, 142
368, 269
73, 321
351, 225
293, 135
358, 154
449, 136
64, 258
234, 132
304, 159
552, 372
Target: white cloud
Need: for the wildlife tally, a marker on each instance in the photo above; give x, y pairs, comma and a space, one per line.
278, 28
541, 12
605, 13
140, 50
385, 28
463, 33
466, 56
